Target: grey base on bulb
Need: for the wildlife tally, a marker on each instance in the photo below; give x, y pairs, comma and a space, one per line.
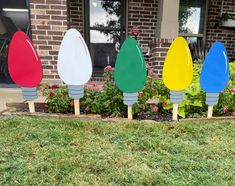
176, 96
130, 98
76, 91
212, 98
29, 94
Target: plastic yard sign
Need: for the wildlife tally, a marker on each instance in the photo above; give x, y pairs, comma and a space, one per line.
130, 68
23, 61
215, 71
74, 61
178, 66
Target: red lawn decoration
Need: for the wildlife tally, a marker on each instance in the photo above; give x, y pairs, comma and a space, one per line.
23, 61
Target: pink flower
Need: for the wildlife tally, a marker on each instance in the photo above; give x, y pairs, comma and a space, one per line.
147, 66
222, 92
71, 104
108, 68
52, 94
55, 86
139, 94
233, 90
225, 109
154, 108
155, 76
104, 74
97, 88
94, 83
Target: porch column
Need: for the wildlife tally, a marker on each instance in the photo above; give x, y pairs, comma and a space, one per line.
168, 25
166, 31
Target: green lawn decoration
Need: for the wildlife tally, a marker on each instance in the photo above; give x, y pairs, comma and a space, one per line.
130, 72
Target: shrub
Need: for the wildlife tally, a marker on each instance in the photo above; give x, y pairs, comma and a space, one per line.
58, 100
107, 100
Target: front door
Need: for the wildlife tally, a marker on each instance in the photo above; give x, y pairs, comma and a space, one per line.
13, 16
105, 30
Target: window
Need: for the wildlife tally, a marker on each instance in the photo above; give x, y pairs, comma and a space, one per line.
105, 30
192, 20
13, 16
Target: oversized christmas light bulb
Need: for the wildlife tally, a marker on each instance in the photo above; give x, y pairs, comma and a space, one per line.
130, 72
74, 65
214, 75
24, 66
178, 71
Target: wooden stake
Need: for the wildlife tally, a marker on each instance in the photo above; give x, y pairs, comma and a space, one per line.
210, 112
31, 106
77, 107
130, 116
175, 112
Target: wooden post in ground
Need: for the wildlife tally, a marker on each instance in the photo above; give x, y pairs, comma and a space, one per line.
31, 106
130, 116
210, 112
77, 107
175, 112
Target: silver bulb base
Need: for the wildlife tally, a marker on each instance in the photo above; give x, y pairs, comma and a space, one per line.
76, 91
130, 98
29, 94
212, 99
176, 96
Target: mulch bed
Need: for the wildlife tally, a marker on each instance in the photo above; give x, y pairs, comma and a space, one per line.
156, 117
42, 111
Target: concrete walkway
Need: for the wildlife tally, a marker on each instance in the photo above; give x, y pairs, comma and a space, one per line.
12, 95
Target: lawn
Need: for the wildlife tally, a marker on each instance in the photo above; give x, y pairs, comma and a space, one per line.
36, 151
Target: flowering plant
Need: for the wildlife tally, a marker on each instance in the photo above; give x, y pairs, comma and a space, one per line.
107, 99
58, 100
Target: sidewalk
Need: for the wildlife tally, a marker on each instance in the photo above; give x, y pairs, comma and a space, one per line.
12, 95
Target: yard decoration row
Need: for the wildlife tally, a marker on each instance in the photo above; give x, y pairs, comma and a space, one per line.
74, 65
178, 73
75, 69
130, 72
24, 66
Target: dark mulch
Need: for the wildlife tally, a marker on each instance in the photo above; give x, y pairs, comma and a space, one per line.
156, 117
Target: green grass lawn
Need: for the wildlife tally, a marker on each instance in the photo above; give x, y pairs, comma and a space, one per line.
37, 151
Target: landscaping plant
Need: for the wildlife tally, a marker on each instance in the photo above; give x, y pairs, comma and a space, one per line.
107, 99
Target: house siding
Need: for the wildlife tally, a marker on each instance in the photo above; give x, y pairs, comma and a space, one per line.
143, 13
217, 33
51, 18
49, 23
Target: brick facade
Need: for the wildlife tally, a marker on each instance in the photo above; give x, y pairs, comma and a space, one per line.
143, 13
217, 33
48, 23
158, 53
214, 32
49, 20
76, 15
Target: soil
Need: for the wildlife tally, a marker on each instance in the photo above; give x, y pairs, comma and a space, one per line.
157, 117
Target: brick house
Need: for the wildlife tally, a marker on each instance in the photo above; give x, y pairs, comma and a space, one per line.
105, 24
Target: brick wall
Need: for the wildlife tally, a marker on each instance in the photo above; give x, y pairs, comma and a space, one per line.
218, 33
49, 23
158, 54
143, 13
76, 15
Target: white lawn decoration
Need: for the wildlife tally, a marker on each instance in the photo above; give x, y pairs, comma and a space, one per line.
74, 65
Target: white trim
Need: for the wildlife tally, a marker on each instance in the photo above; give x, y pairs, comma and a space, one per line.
14, 10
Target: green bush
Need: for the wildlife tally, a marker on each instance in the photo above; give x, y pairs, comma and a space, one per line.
107, 100
58, 100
